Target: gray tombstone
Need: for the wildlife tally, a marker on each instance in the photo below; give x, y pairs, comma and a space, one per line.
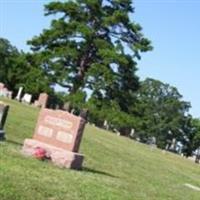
3, 115
153, 143
173, 145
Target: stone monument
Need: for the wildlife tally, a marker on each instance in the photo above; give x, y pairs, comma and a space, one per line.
42, 100
59, 134
4, 92
18, 97
3, 115
1, 86
26, 98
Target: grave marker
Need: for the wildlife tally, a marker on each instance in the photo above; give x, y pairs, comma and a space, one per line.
18, 97
4, 92
26, 98
42, 100
1, 86
3, 115
59, 133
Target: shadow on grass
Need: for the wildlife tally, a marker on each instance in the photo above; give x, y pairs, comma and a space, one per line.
14, 142
84, 169
88, 170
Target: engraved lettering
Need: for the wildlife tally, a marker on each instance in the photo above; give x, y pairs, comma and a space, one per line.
58, 122
64, 137
45, 131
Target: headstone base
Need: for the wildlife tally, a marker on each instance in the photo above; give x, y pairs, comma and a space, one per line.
58, 156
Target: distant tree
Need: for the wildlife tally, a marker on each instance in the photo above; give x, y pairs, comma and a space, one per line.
191, 142
8, 55
161, 113
86, 48
20, 69
102, 110
33, 79
188, 132
196, 139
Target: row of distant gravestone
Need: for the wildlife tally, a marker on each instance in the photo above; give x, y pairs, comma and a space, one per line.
4, 92
27, 98
57, 134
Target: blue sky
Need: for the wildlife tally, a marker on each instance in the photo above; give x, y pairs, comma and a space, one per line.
172, 25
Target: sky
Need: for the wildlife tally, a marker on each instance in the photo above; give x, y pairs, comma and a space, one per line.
173, 26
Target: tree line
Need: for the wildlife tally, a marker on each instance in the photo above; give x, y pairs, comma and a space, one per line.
91, 49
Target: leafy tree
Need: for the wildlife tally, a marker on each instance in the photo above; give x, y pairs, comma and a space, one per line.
20, 69
196, 139
8, 55
191, 141
161, 112
102, 110
33, 79
86, 47
188, 132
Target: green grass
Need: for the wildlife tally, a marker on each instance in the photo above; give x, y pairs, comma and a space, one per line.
114, 168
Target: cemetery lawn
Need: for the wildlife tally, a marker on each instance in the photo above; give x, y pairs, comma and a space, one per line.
115, 168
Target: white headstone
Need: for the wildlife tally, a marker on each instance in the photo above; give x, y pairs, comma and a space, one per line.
9, 94
132, 132
27, 98
106, 125
173, 144
19, 93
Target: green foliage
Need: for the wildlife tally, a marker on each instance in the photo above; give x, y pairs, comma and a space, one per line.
33, 79
77, 101
109, 110
161, 112
20, 69
8, 57
192, 141
196, 139
87, 45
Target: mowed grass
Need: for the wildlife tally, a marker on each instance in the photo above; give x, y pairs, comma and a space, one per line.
114, 168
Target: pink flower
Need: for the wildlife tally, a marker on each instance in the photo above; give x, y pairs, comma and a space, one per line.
40, 153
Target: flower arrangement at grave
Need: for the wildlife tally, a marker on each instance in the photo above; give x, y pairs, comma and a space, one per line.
40, 153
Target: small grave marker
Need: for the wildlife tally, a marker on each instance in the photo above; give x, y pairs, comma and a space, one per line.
4, 92
26, 98
18, 97
42, 100
3, 115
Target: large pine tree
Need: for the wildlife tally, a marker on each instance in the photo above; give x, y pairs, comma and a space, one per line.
92, 44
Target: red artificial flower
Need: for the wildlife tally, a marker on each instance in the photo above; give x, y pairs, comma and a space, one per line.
40, 153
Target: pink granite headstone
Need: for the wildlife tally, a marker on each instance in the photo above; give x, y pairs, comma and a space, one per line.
4, 92
42, 100
59, 133
1, 86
